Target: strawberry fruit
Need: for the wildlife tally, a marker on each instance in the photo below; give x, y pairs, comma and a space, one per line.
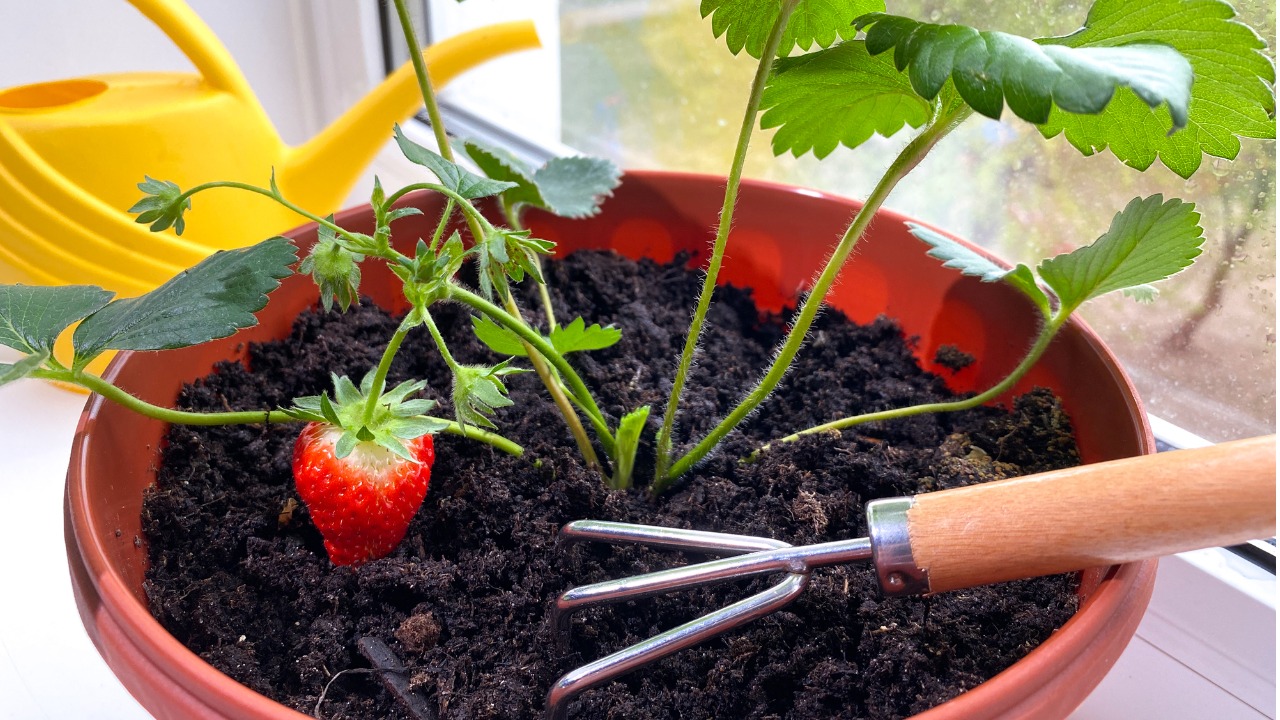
361, 503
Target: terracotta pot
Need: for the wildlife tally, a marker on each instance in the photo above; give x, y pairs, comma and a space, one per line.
659, 215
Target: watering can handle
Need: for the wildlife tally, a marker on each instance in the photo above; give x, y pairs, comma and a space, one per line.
198, 42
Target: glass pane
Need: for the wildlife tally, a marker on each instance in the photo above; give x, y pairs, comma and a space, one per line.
642, 82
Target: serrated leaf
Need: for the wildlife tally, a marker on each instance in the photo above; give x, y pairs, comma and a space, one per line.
746, 23
841, 95
630, 428
957, 256
451, 175
496, 337
1233, 95
500, 164
1148, 241
211, 300
578, 337
32, 316
23, 367
1145, 294
990, 69
574, 187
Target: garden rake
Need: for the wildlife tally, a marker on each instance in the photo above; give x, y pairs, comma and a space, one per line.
1060, 521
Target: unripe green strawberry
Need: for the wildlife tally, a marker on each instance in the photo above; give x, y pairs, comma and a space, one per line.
362, 503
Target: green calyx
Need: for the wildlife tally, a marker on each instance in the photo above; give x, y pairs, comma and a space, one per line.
335, 269
392, 418
478, 391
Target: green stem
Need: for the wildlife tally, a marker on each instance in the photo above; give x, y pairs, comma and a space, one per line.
278, 198
429, 100
663, 447
463, 203
556, 390
577, 388
942, 123
512, 214
96, 384
1047, 333
444, 222
384, 366
179, 417
440, 344
424, 81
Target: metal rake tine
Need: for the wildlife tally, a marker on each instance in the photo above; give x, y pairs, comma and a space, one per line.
616, 533
671, 641
785, 559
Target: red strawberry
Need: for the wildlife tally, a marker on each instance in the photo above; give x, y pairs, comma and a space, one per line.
361, 503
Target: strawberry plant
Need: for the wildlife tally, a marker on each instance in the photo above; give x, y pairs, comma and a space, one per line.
1170, 80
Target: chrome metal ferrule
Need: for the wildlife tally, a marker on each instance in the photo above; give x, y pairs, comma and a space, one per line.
891, 548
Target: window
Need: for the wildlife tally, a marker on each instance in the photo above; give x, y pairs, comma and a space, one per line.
642, 83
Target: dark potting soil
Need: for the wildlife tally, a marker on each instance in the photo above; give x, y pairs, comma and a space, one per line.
239, 575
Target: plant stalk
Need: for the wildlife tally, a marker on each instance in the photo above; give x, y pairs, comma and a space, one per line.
384, 366
576, 386
1047, 333
943, 122
557, 395
96, 384
663, 444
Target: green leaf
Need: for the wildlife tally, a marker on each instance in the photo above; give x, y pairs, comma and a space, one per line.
496, 337
956, 256
841, 95
23, 367
209, 301
32, 317
451, 175
989, 69
574, 337
630, 428
1148, 241
746, 23
162, 205
500, 164
574, 187
1233, 95
578, 337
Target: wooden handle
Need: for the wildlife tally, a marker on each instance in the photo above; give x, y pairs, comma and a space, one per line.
1095, 515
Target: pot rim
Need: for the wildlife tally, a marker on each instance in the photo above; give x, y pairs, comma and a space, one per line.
110, 602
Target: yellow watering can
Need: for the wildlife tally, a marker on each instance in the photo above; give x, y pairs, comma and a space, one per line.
73, 151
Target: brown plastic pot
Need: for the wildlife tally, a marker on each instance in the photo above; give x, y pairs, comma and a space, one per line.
781, 236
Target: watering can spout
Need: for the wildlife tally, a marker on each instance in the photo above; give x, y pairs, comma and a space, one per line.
334, 158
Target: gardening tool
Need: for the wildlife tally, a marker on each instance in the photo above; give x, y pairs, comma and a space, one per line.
73, 151
1090, 516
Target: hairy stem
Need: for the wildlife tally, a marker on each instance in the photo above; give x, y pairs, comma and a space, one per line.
96, 384
424, 81
512, 214
573, 381
1047, 333
429, 101
943, 122
444, 222
556, 391
278, 198
663, 447
384, 366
